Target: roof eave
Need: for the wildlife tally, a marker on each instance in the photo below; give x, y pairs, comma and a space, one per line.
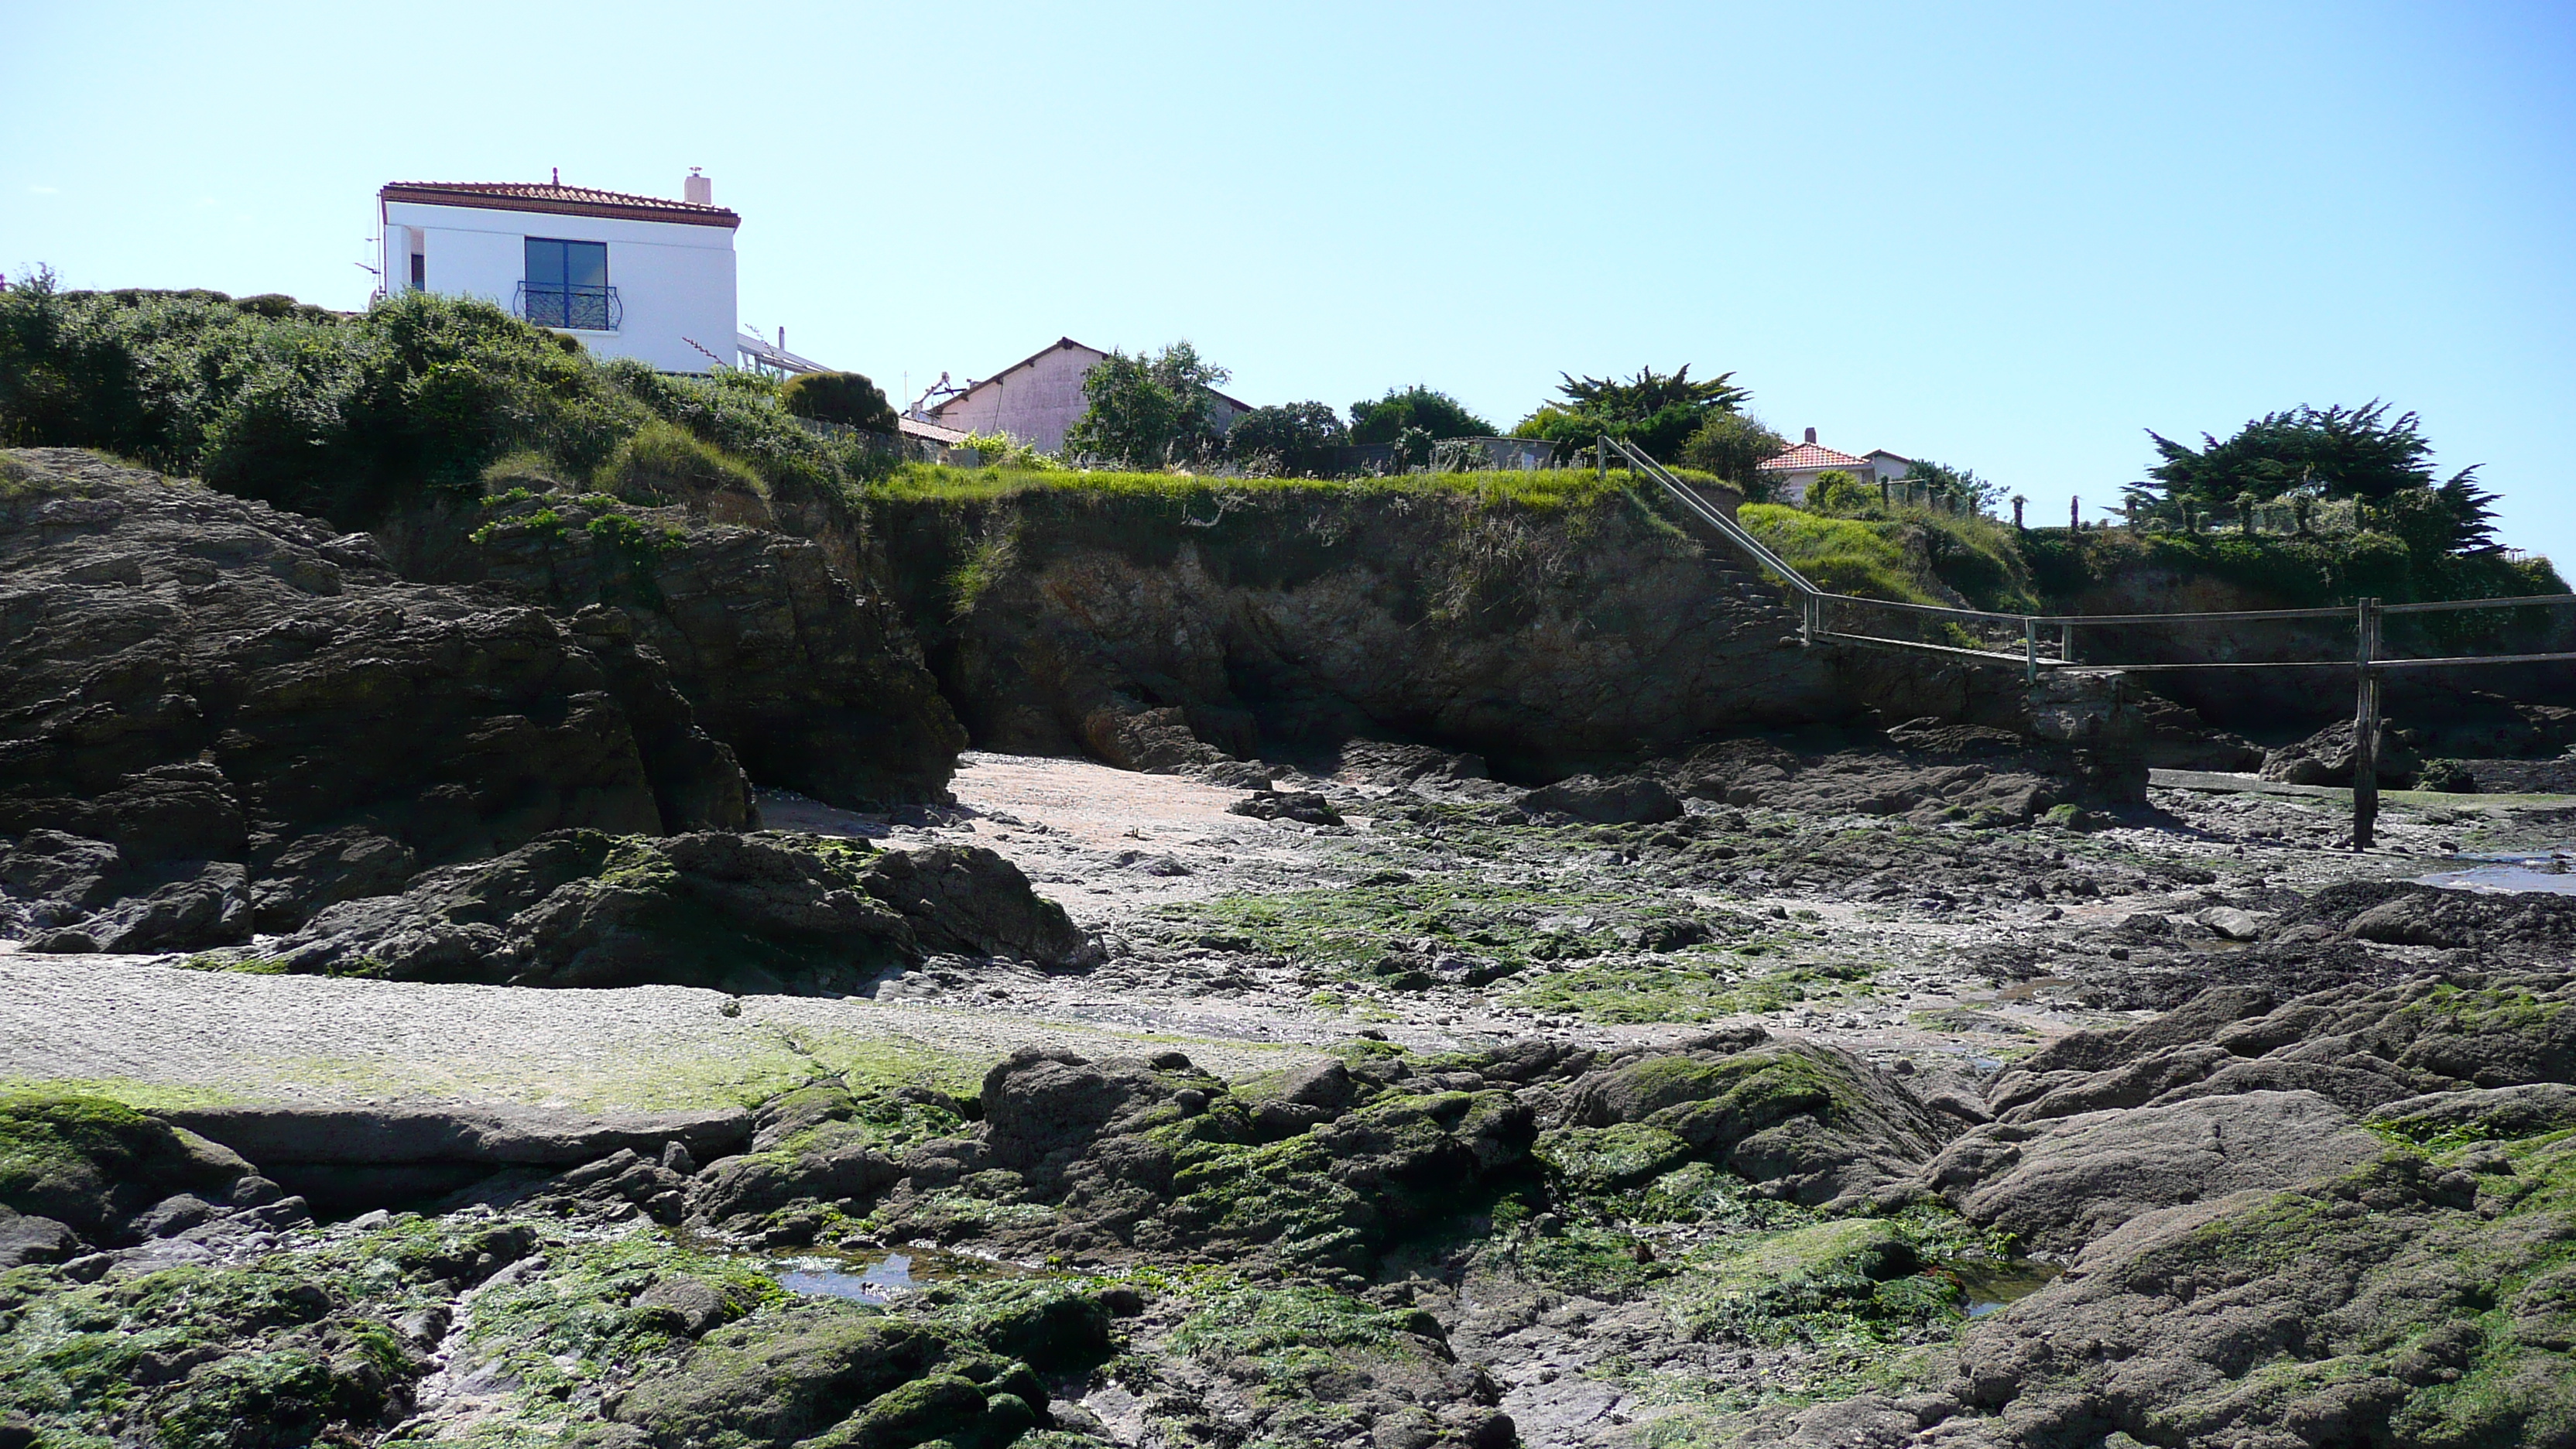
547, 206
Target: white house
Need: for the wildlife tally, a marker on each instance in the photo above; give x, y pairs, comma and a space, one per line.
1792, 473
631, 276
1039, 398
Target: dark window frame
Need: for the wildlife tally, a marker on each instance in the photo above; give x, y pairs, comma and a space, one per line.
566, 285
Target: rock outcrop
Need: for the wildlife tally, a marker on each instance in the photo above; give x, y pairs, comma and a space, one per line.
817, 686
1173, 631
218, 715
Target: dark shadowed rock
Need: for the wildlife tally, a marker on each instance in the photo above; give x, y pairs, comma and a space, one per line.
329, 867
2326, 758
199, 681
817, 686
1621, 800
966, 900
1304, 806
766, 912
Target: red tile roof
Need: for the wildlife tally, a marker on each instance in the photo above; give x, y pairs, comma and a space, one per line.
557, 200
1813, 455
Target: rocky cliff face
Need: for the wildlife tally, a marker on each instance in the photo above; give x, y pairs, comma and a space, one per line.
1162, 631
219, 716
816, 686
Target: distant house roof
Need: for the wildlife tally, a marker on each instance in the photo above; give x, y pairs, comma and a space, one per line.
1058, 345
1811, 455
1883, 453
559, 200
930, 432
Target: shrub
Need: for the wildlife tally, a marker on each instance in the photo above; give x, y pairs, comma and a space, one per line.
846, 398
1658, 412
1296, 438
1146, 412
305, 409
1001, 450
1732, 446
1435, 414
1838, 491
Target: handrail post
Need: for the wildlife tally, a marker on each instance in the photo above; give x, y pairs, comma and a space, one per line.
1601, 457
2066, 642
2030, 651
2365, 724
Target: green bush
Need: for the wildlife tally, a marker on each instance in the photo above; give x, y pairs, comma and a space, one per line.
846, 398
1733, 446
1839, 492
659, 463
348, 416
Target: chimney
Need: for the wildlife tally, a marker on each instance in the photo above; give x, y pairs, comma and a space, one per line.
698, 190
1811, 435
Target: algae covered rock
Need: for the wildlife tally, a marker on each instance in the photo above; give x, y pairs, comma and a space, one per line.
833, 1374
1814, 1124
91, 1163
2362, 1307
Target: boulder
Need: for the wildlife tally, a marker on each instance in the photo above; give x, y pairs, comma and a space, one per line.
1304, 806
1811, 1123
2326, 758
26, 1238
91, 1164
1621, 800
767, 912
2058, 1184
2396, 1301
1043, 1108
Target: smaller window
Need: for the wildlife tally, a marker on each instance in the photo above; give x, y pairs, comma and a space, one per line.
419, 272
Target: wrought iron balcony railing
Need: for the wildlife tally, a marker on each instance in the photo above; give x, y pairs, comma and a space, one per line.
584, 309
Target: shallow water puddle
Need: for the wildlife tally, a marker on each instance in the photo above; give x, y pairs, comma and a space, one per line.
1991, 1286
881, 1283
881, 1280
2549, 872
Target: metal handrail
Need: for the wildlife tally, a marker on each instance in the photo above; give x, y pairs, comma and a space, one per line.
1733, 531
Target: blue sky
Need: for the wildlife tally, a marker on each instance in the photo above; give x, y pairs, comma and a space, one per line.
2010, 237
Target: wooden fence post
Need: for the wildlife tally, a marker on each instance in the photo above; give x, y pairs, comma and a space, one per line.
2365, 725
2029, 652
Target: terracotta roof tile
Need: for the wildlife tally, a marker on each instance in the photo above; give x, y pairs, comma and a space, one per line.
558, 200
1813, 455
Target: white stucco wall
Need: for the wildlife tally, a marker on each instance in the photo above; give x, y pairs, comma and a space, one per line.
674, 281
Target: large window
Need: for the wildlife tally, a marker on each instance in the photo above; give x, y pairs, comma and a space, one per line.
567, 285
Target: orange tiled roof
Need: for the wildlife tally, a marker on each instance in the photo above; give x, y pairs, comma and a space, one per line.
1813, 455
559, 200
